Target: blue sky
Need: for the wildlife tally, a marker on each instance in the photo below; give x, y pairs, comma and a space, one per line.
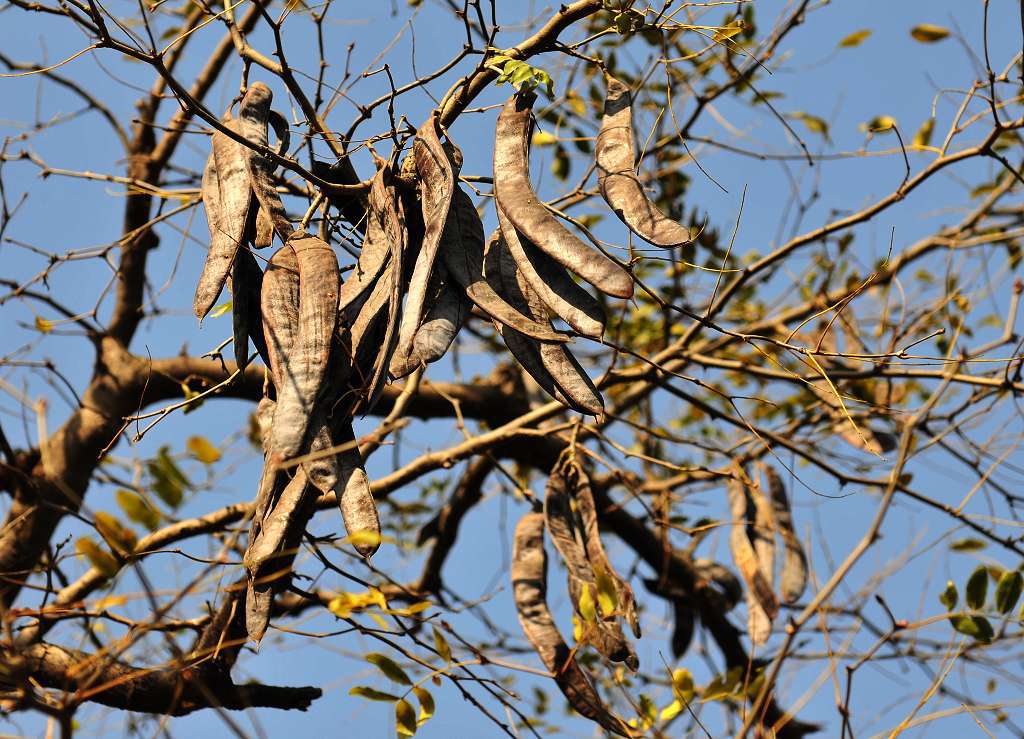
886, 75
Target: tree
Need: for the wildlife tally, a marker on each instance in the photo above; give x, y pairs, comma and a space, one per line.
848, 385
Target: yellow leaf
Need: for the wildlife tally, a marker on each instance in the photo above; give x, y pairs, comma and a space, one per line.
928, 33
110, 601
43, 326
116, 534
587, 608
220, 310
672, 710
855, 39
389, 667
137, 508
98, 557
426, 703
405, 718
543, 138
607, 595
880, 123
442, 646
923, 137
411, 610
366, 537
202, 449
682, 685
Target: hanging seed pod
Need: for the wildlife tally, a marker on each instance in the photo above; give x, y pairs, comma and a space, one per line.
743, 552
441, 324
618, 183
579, 487
303, 376
263, 230
358, 509
762, 535
572, 380
279, 301
246, 315
793, 581
254, 116
529, 583
463, 252
603, 629
528, 215
229, 178
552, 282
436, 174
683, 627
375, 251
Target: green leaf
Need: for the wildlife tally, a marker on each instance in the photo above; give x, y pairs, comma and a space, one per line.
880, 123
441, 645
119, 537
928, 33
923, 137
977, 627
202, 449
813, 123
98, 557
1008, 590
137, 509
426, 703
949, 597
976, 589
169, 483
405, 718
389, 667
967, 545
372, 694
855, 39
560, 164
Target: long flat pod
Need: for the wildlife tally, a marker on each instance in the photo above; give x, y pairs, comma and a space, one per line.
307, 365
375, 250
441, 324
567, 300
793, 580
254, 116
279, 300
579, 487
743, 551
524, 209
463, 252
529, 584
617, 181
436, 172
567, 373
227, 230
246, 316
762, 535
358, 509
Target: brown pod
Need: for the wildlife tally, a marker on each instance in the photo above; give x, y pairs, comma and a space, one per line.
527, 213
375, 252
579, 485
322, 469
246, 316
436, 174
572, 380
227, 229
463, 252
264, 230
254, 116
529, 584
743, 552
279, 301
762, 535
793, 581
358, 509
604, 632
617, 181
306, 365
552, 282
441, 324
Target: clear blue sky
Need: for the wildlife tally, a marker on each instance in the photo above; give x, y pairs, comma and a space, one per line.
887, 75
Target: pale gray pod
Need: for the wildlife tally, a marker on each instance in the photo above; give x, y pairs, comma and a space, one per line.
254, 116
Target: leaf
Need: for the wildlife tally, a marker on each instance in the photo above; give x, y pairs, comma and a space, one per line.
168, 481
1008, 590
560, 164
426, 703
441, 645
137, 509
923, 137
405, 718
813, 123
220, 310
587, 609
967, 545
120, 538
98, 557
372, 694
949, 597
855, 39
343, 604
543, 138
389, 667
607, 594
411, 610
976, 589
202, 449
682, 685
928, 33
43, 326
190, 395
974, 626
880, 123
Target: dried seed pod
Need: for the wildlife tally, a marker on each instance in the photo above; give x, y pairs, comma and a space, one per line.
353, 207
246, 316
527, 213
682, 629
743, 552
355, 499
728, 584
436, 174
463, 253
579, 485
552, 282
793, 581
604, 631
571, 379
306, 366
762, 535
254, 116
375, 251
279, 300
264, 230
529, 583
441, 324
227, 228
321, 470
617, 181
